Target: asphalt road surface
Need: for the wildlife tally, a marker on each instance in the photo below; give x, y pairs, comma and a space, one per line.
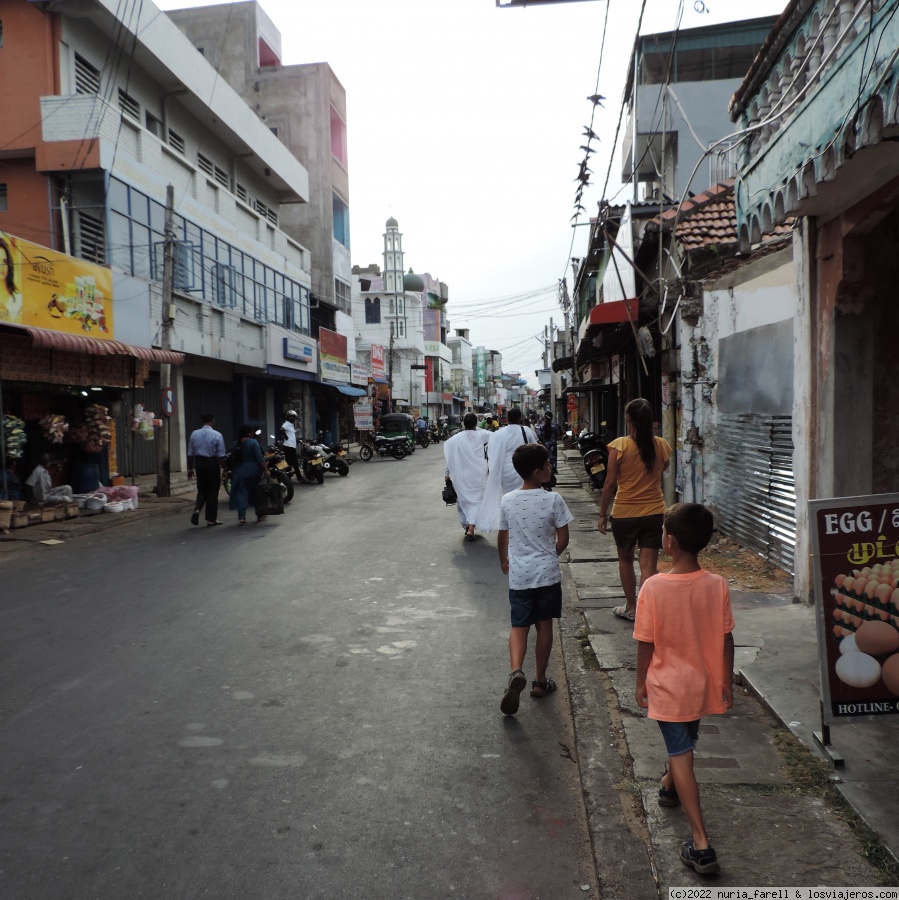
303, 708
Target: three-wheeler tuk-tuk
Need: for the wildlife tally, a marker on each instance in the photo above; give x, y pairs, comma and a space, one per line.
398, 424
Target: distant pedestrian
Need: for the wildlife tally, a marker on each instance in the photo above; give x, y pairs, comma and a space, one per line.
533, 532
685, 663
466, 466
548, 433
501, 474
289, 431
205, 455
636, 465
246, 475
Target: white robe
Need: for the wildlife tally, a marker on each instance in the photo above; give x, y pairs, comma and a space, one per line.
467, 466
502, 476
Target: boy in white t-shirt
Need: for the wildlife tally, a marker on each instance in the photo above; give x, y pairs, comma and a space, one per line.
533, 532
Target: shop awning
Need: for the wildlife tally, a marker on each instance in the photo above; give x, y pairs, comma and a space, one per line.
347, 390
48, 339
584, 388
562, 363
615, 312
378, 380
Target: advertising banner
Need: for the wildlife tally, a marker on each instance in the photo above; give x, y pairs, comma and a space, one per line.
359, 373
855, 547
480, 372
47, 289
378, 361
332, 346
362, 415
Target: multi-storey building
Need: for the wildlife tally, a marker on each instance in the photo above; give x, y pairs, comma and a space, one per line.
113, 104
304, 105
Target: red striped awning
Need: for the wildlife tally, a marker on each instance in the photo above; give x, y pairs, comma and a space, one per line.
77, 343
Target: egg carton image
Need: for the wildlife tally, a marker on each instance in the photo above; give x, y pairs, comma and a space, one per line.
870, 594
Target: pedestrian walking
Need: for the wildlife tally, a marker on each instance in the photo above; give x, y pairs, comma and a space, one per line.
205, 455
636, 464
466, 466
245, 476
289, 430
501, 474
548, 433
533, 532
685, 663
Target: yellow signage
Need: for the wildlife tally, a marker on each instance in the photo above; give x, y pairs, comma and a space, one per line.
42, 287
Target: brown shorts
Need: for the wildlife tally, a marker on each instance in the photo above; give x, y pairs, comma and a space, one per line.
644, 532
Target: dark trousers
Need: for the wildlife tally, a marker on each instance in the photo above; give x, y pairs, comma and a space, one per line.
209, 480
290, 455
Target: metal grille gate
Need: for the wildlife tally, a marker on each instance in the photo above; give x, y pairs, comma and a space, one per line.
755, 495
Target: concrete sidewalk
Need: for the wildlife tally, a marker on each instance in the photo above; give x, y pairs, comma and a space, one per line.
766, 833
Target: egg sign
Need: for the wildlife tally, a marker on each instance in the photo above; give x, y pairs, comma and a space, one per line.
877, 638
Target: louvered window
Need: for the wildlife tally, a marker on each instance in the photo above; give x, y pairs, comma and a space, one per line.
242, 194
265, 212
204, 164
4, 201
129, 106
87, 78
221, 176
91, 238
176, 142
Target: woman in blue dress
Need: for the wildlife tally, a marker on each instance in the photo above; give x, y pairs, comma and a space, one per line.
246, 474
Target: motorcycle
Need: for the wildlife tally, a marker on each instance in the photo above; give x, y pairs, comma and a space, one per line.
383, 446
332, 457
311, 464
422, 437
592, 446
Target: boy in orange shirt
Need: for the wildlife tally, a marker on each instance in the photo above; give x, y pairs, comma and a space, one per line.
685, 662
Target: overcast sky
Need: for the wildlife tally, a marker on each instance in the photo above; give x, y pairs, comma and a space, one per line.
464, 124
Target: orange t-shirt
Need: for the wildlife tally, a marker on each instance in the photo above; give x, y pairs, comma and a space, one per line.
639, 492
686, 618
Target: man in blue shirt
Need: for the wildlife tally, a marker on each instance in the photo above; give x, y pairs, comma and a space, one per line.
205, 455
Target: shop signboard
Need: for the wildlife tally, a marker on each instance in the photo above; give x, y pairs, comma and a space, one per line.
480, 372
378, 361
47, 289
362, 415
855, 549
359, 373
332, 356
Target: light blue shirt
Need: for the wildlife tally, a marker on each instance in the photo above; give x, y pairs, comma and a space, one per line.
206, 441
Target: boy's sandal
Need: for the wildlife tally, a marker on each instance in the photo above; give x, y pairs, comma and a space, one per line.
517, 683
705, 862
624, 613
668, 796
542, 688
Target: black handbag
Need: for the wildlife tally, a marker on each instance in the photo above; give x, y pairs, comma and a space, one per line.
269, 498
449, 494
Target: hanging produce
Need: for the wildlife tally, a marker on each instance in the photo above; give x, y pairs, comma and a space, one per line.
96, 430
54, 428
144, 422
14, 435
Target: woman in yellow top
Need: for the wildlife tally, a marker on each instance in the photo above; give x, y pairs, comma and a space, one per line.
634, 479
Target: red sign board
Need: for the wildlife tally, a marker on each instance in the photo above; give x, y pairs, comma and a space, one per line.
332, 345
855, 547
378, 361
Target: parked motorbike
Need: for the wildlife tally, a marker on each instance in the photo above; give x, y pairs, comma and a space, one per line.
592, 446
311, 463
384, 446
332, 456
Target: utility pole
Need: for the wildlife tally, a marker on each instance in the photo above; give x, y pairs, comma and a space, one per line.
163, 468
390, 369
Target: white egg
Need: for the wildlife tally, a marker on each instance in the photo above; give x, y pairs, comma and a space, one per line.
847, 645
858, 670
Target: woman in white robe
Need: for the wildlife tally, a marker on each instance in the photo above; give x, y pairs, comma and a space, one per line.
466, 465
502, 477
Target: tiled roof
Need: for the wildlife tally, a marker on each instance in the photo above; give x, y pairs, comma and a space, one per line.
709, 219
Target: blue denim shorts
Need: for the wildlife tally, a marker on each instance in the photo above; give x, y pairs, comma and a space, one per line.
533, 605
680, 737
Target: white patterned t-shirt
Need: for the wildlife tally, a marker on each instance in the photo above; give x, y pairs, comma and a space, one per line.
531, 518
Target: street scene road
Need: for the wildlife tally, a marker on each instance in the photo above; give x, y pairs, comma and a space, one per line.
307, 707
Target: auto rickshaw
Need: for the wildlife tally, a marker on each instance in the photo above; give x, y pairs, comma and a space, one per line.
398, 424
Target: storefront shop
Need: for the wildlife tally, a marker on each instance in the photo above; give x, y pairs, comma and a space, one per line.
71, 397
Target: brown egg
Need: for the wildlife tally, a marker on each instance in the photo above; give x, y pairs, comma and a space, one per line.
884, 592
877, 638
890, 674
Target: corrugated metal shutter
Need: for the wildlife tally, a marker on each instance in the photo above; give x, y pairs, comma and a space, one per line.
135, 455
214, 397
755, 497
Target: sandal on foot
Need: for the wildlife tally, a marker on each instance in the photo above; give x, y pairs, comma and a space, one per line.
542, 688
517, 683
667, 796
624, 613
705, 862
